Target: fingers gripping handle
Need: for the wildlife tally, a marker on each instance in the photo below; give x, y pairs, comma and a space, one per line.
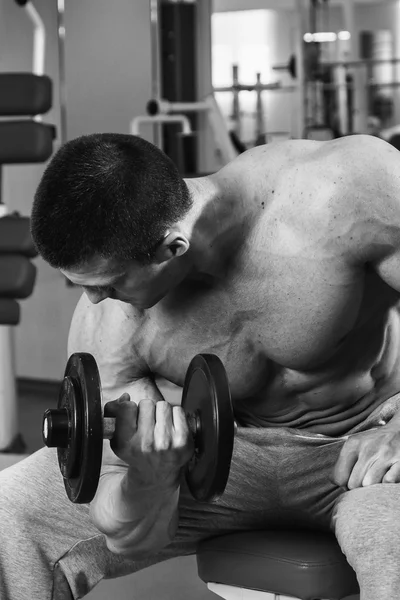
193, 420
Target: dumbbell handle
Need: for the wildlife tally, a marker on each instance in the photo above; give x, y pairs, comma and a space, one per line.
56, 427
108, 428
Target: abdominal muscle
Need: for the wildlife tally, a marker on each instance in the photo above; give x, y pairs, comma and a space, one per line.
339, 395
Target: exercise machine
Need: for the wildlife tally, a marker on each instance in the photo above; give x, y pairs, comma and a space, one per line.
24, 139
174, 109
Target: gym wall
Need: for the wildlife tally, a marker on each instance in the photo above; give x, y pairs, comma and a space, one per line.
108, 83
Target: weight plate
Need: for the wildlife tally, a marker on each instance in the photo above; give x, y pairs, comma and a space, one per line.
206, 397
80, 463
69, 457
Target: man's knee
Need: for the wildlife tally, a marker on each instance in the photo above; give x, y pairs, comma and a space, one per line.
27, 490
13, 490
367, 522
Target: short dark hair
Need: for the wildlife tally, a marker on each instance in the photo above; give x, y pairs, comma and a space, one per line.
109, 195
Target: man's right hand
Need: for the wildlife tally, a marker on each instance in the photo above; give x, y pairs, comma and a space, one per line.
151, 437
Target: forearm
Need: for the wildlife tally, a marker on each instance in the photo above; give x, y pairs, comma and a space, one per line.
141, 517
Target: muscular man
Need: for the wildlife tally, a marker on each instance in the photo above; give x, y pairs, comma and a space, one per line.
286, 264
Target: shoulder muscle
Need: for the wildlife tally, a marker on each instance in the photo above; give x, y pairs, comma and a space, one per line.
107, 331
372, 207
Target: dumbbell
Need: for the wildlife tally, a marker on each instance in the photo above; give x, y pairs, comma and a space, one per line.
77, 427
290, 66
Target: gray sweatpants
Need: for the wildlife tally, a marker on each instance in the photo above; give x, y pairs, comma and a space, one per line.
49, 550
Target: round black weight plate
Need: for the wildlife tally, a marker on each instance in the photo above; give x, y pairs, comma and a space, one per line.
80, 463
69, 455
206, 396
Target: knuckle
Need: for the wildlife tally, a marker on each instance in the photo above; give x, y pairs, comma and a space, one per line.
162, 405
163, 409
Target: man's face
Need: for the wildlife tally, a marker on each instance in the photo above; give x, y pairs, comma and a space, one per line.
141, 286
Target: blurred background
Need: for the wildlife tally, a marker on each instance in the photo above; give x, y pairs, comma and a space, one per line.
204, 80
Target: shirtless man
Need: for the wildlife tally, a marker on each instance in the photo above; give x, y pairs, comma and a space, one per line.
285, 264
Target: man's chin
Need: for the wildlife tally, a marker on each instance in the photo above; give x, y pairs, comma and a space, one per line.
139, 305
149, 303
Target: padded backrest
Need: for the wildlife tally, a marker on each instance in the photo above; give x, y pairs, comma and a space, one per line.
9, 312
17, 276
15, 236
24, 94
25, 141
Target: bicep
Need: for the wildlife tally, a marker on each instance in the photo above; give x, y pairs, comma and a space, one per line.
108, 331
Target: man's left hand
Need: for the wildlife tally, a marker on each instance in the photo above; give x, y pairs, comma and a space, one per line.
370, 457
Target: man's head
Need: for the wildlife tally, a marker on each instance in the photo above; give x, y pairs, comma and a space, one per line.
103, 213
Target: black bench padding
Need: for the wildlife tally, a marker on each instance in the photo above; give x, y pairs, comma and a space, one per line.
24, 94
15, 236
302, 564
17, 276
9, 312
25, 141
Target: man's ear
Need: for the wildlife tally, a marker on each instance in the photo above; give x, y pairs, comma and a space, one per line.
173, 245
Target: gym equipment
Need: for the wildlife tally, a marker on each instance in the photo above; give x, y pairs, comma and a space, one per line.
9, 311
161, 119
259, 88
23, 139
290, 66
164, 107
276, 565
18, 276
15, 236
24, 94
62, 92
173, 111
162, 111
77, 427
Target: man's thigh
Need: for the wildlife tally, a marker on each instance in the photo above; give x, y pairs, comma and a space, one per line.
304, 466
366, 522
278, 478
